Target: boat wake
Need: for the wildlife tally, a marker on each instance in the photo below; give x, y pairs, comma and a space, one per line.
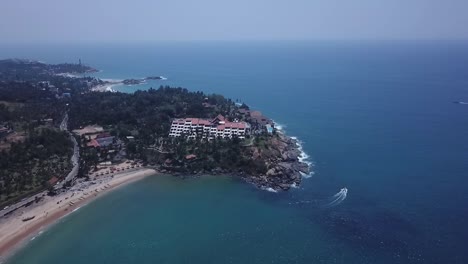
337, 198
333, 201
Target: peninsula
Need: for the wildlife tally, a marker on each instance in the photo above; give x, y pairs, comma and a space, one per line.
63, 141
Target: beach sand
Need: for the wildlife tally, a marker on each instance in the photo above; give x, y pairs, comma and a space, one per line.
14, 232
104, 88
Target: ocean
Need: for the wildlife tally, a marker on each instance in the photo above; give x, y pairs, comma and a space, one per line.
378, 118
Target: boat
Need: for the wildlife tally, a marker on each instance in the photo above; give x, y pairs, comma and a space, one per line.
28, 218
460, 102
344, 191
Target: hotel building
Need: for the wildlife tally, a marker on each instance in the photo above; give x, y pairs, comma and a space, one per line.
209, 129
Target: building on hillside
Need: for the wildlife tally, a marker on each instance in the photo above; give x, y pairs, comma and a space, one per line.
4, 131
52, 181
219, 127
90, 132
101, 141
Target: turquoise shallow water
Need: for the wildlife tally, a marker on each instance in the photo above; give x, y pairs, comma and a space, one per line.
169, 220
377, 118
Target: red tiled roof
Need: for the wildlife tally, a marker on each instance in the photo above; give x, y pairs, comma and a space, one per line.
232, 125
93, 143
53, 181
256, 114
198, 121
205, 122
191, 156
220, 118
104, 135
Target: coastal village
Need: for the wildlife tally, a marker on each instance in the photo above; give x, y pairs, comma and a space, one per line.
194, 134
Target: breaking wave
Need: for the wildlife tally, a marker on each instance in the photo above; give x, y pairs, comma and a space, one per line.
279, 126
303, 157
112, 80
269, 189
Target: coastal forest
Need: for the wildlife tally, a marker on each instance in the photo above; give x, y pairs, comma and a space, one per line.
34, 98
40, 102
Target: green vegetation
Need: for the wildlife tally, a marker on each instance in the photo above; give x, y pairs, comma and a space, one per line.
34, 71
35, 97
32, 105
147, 115
27, 166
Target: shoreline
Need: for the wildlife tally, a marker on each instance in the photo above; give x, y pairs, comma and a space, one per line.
303, 156
110, 83
16, 233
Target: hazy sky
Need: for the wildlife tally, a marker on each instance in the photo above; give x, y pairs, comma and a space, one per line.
185, 20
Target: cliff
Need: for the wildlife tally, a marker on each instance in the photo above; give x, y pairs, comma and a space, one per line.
281, 155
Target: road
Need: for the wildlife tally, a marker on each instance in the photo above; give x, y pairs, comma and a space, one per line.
64, 123
70, 177
75, 159
23, 202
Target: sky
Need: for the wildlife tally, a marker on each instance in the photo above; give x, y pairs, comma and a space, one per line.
119, 21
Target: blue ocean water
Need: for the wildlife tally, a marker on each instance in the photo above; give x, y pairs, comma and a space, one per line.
377, 118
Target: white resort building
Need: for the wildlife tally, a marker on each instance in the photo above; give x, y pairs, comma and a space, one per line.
203, 128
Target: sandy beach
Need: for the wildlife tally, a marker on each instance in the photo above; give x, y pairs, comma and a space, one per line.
105, 87
15, 232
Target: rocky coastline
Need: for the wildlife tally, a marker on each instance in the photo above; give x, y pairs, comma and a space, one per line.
286, 170
283, 159
140, 81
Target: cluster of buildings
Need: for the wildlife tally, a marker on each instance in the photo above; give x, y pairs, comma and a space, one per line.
256, 117
96, 137
59, 93
4, 131
101, 140
218, 127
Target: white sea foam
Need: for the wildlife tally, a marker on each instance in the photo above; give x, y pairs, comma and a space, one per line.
294, 185
76, 209
38, 234
110, 89
269, 189
113, 80
69, 75
303, 157
279, 126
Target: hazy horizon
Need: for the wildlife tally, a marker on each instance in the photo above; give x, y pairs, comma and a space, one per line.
145, 21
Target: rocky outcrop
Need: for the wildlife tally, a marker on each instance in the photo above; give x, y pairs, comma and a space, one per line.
274, 163
284, 167
132, 81
154, 78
